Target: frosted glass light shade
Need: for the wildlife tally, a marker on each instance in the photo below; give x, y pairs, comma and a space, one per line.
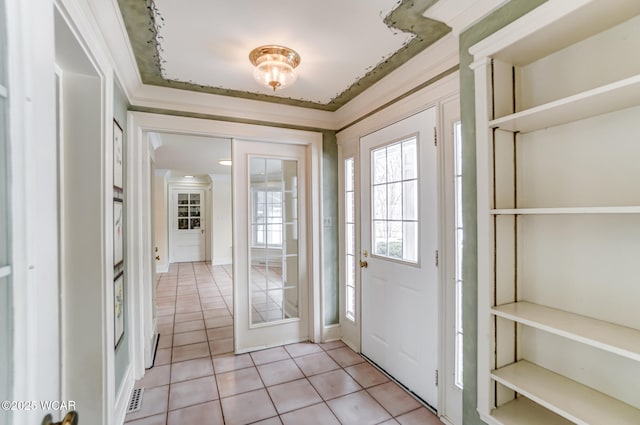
274, 66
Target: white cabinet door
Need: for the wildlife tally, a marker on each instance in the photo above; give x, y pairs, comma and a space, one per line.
399, 239
187, 225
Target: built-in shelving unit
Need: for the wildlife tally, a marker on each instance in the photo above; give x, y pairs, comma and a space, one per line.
620, 340
557, 116
609, 98
578, 403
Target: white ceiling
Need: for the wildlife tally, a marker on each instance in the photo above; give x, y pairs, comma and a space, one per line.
339, 42
191, 154
346, 46
207, 42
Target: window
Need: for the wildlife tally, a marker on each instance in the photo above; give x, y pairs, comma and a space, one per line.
267, 217
394, 203
459, 238
188, 211
349, 239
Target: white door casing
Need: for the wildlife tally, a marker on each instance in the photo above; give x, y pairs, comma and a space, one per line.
400, 326
188, 225
271, 244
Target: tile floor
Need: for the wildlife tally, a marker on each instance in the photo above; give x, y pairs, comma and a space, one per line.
197, 380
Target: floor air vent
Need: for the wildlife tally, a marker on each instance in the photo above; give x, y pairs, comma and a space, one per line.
135, 402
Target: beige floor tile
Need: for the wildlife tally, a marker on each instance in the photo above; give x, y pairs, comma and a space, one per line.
218, 322
191, 337
318, 414
358, 409
220, 333
207, 413
332, 345
188, 317
160, 419
165, 341
155, 377
191, 369
334, 384
271, 421
302, 349
222, 364
366, 375
270, 355
221, 346
192, 325
247, 408
195, 391
315, 364
163, 356
420, 416
344, 356
293, 395
239, 381
393, 398
218, 312
190, 352
279, 372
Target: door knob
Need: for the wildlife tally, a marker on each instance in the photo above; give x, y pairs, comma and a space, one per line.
157, 257
364, 264
71, 418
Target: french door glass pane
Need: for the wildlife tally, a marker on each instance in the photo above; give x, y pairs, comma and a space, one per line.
394, 195
273, 223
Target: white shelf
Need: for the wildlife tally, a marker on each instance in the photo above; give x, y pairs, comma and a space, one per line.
601, 100
576, 402
523, 411
568, 210
616, 339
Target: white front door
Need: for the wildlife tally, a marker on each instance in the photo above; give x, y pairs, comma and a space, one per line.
187, 225
399, 239
270, 244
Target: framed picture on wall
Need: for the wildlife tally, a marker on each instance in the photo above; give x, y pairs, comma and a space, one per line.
117, 155
118, 237
118, 309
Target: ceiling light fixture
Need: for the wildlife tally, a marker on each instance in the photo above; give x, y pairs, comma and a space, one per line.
188, 177
274, 65
225, 162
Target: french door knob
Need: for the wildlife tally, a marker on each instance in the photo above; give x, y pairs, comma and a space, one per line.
364, 264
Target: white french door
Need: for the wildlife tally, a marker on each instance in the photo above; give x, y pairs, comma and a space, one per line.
270, 244
399, 239
187, 225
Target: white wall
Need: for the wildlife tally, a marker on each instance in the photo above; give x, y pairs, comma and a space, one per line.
221, 220
160, 221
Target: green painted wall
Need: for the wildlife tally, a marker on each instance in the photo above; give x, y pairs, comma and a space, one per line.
330, 227
492, 23
122, 359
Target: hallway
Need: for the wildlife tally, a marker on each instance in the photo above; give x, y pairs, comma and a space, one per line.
196, 379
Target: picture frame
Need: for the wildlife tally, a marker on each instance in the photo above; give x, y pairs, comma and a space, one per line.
118, 309
118, 228
117, 155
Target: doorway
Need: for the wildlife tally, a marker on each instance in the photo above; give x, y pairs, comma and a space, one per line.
399, 243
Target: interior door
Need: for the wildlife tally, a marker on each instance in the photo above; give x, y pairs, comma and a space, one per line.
270, 245
188, 225
399, 239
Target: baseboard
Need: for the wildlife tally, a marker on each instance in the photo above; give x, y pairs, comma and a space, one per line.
122, 396
331, 333
151, 346
162, 268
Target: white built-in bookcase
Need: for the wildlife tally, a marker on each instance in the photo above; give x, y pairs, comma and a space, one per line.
558, 160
